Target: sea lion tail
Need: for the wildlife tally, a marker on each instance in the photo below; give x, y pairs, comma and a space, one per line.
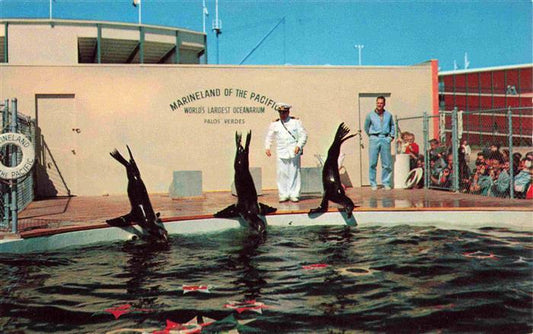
116, 154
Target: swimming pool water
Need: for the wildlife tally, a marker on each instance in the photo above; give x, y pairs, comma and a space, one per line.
316, 279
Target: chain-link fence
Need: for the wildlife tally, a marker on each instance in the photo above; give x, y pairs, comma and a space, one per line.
484, 152
15, 194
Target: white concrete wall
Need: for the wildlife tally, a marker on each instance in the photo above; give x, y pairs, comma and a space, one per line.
115, 105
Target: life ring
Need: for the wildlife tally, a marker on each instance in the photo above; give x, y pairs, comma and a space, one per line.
414, 176
28, 155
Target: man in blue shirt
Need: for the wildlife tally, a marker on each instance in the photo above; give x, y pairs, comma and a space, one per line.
379, 126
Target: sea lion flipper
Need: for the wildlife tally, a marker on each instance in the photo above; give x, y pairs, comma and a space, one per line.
323, 206
238, 138
129, 151
116, 154
248, 138
348, 206
265, 209
346, 138
229, 212
121, 221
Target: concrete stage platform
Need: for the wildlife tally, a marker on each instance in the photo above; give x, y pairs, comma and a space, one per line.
57, 215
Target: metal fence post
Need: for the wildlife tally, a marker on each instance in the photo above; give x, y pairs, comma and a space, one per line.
6, 197
511, 167
398, 134
14, 161
425, 129
455, 147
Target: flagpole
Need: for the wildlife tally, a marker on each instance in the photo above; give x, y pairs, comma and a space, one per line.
140, 10
50, 9
138, 4
204, 14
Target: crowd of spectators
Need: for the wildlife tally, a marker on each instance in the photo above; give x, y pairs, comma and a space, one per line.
490, 174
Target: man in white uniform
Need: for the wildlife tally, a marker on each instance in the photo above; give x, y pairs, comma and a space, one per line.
290, 138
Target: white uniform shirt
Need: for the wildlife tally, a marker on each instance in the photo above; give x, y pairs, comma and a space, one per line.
285, 141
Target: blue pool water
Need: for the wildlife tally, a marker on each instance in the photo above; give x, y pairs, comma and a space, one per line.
317, 279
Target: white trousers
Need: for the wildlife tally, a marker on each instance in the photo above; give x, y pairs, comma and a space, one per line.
288, 177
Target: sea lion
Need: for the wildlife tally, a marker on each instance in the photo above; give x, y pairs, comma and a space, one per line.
333, 190
247, 206
141, 207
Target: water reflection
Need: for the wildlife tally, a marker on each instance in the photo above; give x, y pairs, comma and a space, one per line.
242, 261
339, 245
143, 266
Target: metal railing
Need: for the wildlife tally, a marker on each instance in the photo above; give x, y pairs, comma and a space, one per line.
16, 195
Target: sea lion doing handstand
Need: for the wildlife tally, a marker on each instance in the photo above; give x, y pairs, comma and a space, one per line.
247, 206
141, 207
331, 180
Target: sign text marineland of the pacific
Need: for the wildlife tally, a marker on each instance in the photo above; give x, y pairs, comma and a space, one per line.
225, 92
193, 104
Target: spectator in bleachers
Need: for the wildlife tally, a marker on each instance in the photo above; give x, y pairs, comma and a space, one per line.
505, 154
517, 157
466, 149
464, 171
434, 170
494, 151
501, 179
447, 174
480, 159
523, 179
480, 181
437, 154
445, 177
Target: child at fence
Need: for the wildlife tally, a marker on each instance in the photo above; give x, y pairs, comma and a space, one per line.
412, 149
402, 142
408, 146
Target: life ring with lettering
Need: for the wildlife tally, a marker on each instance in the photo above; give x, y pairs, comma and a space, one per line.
28, 155
414, 176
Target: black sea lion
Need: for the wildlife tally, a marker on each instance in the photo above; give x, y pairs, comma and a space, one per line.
247, 206
141, 207
333, 190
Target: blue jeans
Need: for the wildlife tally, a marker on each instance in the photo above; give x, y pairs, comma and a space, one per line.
380, 145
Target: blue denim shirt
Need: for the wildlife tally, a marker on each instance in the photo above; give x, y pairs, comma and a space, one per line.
374, 125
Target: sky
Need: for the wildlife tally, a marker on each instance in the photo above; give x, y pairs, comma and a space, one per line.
325, 32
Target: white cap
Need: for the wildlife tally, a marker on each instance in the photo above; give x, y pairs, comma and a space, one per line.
280, 106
